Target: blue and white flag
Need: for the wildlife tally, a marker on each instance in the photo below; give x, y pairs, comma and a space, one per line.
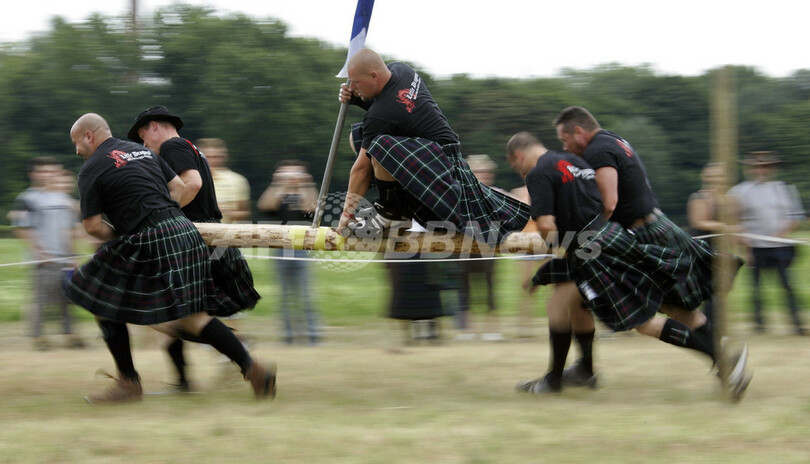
362, 17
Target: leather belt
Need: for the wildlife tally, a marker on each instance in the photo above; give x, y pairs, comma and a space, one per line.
157, 216
451, 149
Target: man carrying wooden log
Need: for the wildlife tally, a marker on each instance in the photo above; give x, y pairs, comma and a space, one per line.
415, 158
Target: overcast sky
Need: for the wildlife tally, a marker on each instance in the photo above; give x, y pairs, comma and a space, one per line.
513, 38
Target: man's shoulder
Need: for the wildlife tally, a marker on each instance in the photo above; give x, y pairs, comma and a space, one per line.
30, 192
544, 164
603, 142
176, 144
399, 66
119, 144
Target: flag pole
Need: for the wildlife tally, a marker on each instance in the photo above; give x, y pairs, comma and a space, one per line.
330, 163
362, 18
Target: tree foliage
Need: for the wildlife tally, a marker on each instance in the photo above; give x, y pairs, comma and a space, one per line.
272, 97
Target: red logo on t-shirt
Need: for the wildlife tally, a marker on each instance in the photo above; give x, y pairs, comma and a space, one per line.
116, 156
404, 97
563, 166
626, 147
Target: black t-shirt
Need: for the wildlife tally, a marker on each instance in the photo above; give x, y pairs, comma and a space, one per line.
636, 198
564, 186
182, 155
405, 108
125, 182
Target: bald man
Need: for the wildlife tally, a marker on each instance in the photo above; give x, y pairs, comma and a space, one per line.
153, 268
415, 158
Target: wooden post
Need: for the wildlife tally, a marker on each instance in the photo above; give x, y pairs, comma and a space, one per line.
724, 150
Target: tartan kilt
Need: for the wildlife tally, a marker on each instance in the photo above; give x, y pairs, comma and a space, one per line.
446, 188
233, 283
698, 285
554, 271
623, 281
159, 274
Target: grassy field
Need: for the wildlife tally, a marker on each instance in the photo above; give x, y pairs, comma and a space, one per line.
363, 397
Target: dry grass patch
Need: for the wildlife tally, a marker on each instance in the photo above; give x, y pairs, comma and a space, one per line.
355, 400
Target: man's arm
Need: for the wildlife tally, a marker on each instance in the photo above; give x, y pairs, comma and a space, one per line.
546, 226
193, 183
607, 179
270, 199
177, 188
96, 227
359, 181
698, 211
795, 213
27, 235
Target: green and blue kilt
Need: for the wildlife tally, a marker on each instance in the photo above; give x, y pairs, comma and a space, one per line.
233, 282
622, 281
698, 285
554, 271
158, 274
446, 188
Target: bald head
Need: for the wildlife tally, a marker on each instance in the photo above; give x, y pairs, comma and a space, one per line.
88, 132
368, 73
522, 152
365, 61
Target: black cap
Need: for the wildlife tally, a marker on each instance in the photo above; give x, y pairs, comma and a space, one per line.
155, 113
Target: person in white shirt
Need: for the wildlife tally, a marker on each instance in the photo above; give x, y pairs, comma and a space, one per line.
768, 207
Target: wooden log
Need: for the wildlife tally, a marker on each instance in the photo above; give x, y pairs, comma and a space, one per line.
401, 241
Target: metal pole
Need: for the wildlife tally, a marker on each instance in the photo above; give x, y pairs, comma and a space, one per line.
330, 164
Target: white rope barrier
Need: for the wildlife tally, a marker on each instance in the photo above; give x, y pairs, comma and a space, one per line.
430, 260
786, 241
52, 260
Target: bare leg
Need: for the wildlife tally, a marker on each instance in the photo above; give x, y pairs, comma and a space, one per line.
380, 172
693, 319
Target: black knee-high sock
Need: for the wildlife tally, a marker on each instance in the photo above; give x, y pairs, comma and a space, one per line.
707, 331
585, 340
560, 343
175, 350
678, 334
116, 336
222, 338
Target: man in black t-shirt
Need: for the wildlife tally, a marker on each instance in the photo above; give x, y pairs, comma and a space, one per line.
153, 268
564, 201
628, 199
622, 281
157, 128
415, 158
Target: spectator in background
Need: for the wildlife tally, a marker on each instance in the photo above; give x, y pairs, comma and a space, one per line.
292, 195
702, 213
416, 297
769, 207
46, 218
416, 287
484, 170
233, 189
